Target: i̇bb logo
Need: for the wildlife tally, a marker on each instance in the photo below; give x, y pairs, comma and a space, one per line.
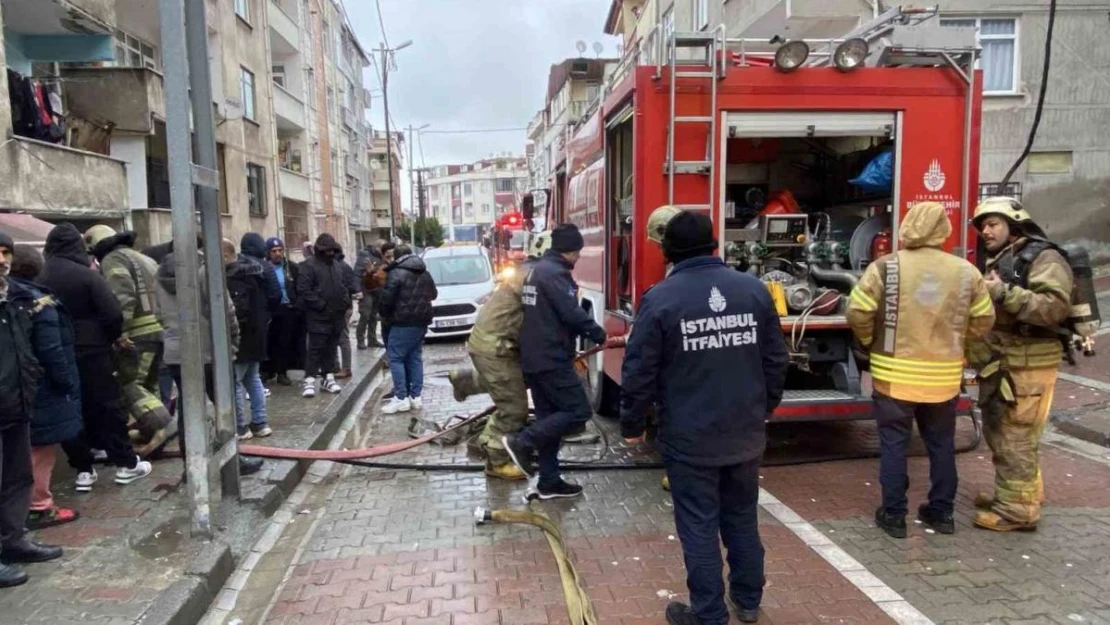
934, 177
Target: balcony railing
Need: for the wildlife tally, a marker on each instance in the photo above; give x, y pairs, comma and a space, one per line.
129, 97
294, 186
288, 108
61, 182
285, 26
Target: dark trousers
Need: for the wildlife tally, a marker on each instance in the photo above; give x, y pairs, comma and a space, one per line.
103, 414
209, 390
937, 425
561, 409
714, 505
323, 343
285, 342
366, 331
16, 479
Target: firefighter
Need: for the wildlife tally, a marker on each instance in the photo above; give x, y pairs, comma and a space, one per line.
137, 355
553, 319
494, 350
1030, 283
707, 353
912, 313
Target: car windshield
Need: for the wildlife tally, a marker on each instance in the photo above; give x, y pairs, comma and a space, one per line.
448, 270
520, 237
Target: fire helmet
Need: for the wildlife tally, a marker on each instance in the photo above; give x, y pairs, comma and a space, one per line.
96, 234
541, 242
1008, 208
658, 220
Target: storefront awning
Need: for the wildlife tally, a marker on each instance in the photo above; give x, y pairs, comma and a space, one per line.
25, 228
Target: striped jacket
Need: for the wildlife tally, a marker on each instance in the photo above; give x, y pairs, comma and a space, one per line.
917, 309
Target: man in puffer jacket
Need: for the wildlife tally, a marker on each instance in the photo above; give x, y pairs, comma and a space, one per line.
246, 287
138, 354
324, 295
406, 305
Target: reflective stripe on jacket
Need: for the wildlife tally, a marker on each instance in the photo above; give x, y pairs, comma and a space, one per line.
496, 332
915, 311
132, 277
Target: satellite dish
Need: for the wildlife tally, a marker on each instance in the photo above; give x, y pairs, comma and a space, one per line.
598, 48
581, 46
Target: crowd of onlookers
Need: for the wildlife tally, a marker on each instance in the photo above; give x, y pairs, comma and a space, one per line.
91, 340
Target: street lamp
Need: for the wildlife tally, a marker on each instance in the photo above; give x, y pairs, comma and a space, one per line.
386, 52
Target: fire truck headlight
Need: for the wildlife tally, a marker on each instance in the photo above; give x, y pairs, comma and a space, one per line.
791, 55
850, 54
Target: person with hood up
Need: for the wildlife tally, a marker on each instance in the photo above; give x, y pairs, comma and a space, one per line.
707, 353
56, 415
345, 336
324, 296
913, 312
252, 249
97, 326
246, 288
285, 338
553, 321
406, 305
20, 373
138, 354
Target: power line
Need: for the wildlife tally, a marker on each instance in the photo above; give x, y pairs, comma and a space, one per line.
381, 22
458, 132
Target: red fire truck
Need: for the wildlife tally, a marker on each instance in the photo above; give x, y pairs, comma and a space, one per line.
508, 241
766, 138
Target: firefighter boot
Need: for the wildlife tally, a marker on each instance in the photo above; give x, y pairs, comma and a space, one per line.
505, 471
984, 501
993, 521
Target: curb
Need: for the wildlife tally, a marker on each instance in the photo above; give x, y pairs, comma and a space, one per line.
187, 600
1078, 425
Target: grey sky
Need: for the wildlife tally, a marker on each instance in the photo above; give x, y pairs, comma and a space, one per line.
473, 64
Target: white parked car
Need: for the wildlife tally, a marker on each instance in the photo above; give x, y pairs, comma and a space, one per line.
464, 279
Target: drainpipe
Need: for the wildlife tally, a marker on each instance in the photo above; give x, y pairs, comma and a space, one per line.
279, 212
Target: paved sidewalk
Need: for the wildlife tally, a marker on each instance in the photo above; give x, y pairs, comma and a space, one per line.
131, 543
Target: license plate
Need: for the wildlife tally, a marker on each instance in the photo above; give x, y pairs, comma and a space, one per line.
450, 323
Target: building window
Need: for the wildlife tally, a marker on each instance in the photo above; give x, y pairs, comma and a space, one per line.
485, 210
998, 39
668, 24
134, 52
701, 14
469, 207
504, 185
246, 89
256, 190
310, 88
277, 72
243, 10
467, 189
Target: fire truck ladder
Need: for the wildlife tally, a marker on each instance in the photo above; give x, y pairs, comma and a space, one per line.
707, 67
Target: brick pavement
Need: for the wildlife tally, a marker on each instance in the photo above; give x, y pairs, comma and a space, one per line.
131, 542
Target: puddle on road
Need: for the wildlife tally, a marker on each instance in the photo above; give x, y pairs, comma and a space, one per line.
164, 541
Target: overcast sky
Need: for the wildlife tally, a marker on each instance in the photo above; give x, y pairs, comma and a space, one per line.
473, 64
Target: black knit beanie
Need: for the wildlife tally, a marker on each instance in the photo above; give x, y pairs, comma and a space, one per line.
688, 234
566, 238
6, 241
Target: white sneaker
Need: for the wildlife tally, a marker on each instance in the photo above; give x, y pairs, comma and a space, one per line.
309, 388
417, 403
397, 405
85, 481
267, 391
141, 470
330, 385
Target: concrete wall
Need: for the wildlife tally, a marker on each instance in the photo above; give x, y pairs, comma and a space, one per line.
128, 97
58, 181
131, 149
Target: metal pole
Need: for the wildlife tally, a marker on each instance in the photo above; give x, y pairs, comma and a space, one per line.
172, 22
388, 141
412, 180
204, 127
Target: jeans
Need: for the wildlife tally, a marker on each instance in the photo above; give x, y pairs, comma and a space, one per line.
248, 381
406, 360
16, 479
937, 425
345, 342
714, 505
561, 408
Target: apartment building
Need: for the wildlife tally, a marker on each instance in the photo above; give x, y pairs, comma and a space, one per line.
293, 145
1065, 182
380, 191
468, 198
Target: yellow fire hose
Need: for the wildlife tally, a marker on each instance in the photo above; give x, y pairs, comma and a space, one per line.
579, 608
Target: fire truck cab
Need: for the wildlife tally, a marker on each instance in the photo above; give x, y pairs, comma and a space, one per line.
770, 140
508, 242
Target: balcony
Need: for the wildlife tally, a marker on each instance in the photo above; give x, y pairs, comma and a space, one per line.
58, 182
361, 218
795, 19
348, 117
294, 186
355, 169
285, 35
536, 127
288, 109
129, 97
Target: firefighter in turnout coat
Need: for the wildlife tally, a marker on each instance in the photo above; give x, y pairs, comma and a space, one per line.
1030, 283
137, 355
495, 351
913, 312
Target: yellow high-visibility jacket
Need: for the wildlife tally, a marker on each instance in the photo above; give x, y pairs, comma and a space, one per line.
915, 311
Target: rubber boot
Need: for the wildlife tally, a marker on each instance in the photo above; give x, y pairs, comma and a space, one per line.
507, 471
992, 521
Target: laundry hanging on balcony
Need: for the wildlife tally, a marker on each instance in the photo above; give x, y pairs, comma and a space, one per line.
36, 110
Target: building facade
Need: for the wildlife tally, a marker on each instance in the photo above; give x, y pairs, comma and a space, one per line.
1065, 181
380, 190
467, 199
293, 144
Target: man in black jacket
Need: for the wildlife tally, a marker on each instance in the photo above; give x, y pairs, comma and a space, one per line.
97, 324
707, 352
19, 375
286, 337
406, 305
246, 286
324, 296
553, 320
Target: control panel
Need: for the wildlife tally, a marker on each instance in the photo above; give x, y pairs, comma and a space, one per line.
785, 230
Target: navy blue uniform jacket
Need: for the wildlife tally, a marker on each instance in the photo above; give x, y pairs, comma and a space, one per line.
707, 351
552, 317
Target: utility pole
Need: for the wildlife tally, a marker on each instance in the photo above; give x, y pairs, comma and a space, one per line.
387, 55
